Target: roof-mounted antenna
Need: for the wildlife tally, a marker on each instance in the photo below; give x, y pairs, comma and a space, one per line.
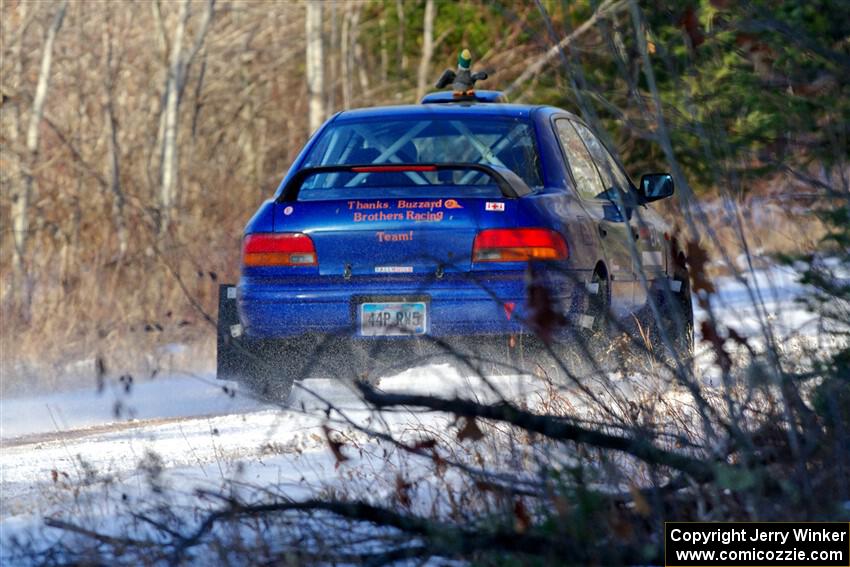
462, 80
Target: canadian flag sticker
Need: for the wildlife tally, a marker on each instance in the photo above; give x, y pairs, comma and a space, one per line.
488, 206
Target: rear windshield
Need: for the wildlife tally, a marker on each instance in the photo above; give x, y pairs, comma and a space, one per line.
504, 142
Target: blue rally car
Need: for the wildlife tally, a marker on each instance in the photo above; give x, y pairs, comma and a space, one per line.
459, 225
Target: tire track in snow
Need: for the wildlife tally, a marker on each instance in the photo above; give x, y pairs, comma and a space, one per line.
105, 428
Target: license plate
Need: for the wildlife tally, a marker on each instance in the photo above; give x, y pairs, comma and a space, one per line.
392, 319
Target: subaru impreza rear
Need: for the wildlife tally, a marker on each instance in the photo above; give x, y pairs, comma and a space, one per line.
398, 232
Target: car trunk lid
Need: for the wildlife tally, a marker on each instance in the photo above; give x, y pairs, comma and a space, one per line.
395, 235
399, 218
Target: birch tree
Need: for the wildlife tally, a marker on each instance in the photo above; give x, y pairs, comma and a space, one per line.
315, 74
427, 49
168, 168
345, 57
359, 58
20, 205
15, 128
176, 82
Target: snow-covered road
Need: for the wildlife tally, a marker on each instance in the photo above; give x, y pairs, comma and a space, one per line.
199, 431
74, 452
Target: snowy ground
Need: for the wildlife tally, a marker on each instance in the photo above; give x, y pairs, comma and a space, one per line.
87, 454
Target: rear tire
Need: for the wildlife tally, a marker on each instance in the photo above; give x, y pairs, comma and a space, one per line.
261, 367
595, 338
264, 367
677, 314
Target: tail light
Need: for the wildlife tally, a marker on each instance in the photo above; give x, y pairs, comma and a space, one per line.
518, 245
279, 249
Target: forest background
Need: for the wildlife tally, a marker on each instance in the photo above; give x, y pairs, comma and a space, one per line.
138, 137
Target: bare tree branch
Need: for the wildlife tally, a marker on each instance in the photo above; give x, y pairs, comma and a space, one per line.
554, 427
605, 9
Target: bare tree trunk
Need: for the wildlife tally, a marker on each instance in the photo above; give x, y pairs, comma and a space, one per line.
179, 65
427, 49
345, 57
168, 174
199, 86
70, 245
164, 48
401, 54
385, 56
20, 206
315, 75
112, 136
186, 60
359, 60
333, 60
162, 35
15, 173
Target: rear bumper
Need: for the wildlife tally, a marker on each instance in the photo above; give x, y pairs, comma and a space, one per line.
458, 305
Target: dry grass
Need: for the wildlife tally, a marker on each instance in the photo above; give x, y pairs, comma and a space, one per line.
132, 312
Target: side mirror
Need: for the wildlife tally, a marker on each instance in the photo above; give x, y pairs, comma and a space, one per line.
655, 186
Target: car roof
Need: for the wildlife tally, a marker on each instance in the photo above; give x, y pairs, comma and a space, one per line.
506, 110
535, 113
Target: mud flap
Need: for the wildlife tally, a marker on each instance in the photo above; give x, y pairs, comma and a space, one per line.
228, 332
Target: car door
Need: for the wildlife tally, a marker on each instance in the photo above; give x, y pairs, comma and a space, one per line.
643, 239
612, 231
